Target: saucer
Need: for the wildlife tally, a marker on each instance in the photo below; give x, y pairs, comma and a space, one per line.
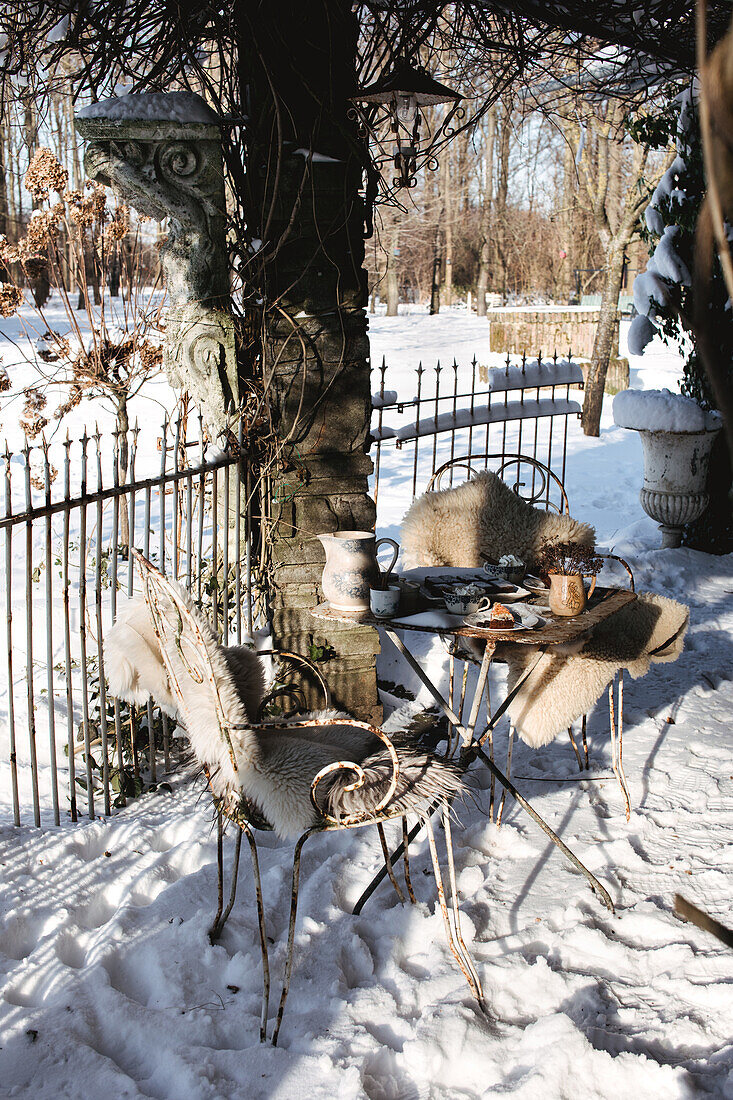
525, 620
534, 584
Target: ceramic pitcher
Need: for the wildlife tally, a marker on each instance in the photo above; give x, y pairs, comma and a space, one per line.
567, 594
351, 568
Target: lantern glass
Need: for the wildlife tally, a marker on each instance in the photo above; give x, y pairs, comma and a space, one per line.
405, 109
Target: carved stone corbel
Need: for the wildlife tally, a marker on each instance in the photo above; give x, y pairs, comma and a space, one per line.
169, 169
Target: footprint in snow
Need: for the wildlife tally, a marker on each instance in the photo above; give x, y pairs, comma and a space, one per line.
71, 950
92, 916
20, 934
92, 844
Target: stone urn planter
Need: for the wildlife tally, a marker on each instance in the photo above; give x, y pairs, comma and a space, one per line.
677, 436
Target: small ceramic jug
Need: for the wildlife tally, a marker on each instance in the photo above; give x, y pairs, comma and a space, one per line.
351, 568
567, 594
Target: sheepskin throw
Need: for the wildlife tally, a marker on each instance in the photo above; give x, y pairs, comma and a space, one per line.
135, 668
564, 686
273, 767
482, 517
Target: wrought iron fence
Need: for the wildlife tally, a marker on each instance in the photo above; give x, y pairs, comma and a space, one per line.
522, 407
72, 510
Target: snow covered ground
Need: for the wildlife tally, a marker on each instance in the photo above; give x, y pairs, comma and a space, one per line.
109, 987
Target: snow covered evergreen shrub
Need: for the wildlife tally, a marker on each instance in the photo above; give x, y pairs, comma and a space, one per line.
663, 294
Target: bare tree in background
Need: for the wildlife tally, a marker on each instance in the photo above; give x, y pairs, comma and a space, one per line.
614, 185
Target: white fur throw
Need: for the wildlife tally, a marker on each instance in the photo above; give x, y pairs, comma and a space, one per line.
564, 686
135, 669
272, 768
482, 516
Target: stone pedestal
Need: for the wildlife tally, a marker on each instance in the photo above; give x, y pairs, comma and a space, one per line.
171, 169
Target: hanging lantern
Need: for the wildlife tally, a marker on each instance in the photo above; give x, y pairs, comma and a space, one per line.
401, 92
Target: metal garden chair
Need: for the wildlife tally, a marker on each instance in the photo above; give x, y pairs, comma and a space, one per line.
341, 794
541, 487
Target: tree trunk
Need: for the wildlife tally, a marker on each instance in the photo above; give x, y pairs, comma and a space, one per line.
502, 194
435, 286
392, 274
4, 219
114, 273
482, 284
566, 284
603, 345
297, 65
447, 208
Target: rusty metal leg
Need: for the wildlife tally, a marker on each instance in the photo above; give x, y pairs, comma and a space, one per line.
388, 863
291, 935
492, 780
481, 685
469, 976
575, 748
617, 752
585, 741
452, 733
233, 890
454, 902
214, 930
510, 746
263, 934
406, 846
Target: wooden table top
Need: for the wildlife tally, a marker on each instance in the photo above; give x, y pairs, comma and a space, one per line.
603, 603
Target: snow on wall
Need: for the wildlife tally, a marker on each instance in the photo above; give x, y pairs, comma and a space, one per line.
662, 411
153, 107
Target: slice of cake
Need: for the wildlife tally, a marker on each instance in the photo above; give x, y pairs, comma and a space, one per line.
501, 617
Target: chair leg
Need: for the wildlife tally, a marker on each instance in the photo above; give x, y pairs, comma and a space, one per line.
406, 846
222, 915
454, 903
454, 738
575, 748
508, 775
451, 700
617, 752
215, 929
263, 934
388, 863
291, 935
585, 741
492, 780
233, 889
464, 963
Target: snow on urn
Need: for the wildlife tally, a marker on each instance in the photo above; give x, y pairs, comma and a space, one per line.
161, 152
677, 436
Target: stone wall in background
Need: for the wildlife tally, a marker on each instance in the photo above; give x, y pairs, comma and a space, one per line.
515, 332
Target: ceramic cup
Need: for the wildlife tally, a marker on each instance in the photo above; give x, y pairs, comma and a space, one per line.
466, 600
384, 602
410, 595
512, 573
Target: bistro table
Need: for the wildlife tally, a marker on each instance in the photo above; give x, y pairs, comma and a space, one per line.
429, 618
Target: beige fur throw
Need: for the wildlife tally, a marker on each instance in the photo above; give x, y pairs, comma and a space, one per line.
564, 686
457, 526
482, 516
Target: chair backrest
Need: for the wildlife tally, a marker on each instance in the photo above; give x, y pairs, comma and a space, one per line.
298, 685
529, 478
190, 658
